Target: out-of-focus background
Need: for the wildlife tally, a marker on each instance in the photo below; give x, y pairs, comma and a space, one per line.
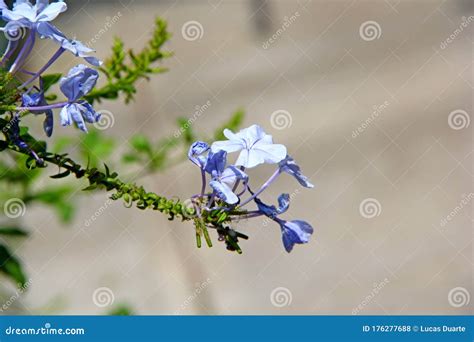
374, 101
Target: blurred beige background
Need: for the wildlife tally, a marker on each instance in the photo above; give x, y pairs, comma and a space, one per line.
327, 70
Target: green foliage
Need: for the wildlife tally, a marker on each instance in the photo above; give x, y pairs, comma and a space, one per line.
11, 266
233, 124
20, 172
121, 310
123, 70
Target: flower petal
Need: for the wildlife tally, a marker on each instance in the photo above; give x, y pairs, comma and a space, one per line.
294, 232
224, 192
51, 11
227, 145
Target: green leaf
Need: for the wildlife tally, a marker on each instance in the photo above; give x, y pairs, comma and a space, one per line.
233, 124
50, 80
13, 231
121, 310
11, 267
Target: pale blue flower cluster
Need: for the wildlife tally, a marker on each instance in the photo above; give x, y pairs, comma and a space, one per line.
229, 183
27, 20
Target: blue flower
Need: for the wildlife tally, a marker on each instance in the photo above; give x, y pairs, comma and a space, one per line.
78, 49
289, 166
79, 81
223, 178
294, 232
255, 146
196, 151
78, 113
37, 99
26, 14
272, 211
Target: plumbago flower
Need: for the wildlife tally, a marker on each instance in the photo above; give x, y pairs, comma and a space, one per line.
35, 20
226, 200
